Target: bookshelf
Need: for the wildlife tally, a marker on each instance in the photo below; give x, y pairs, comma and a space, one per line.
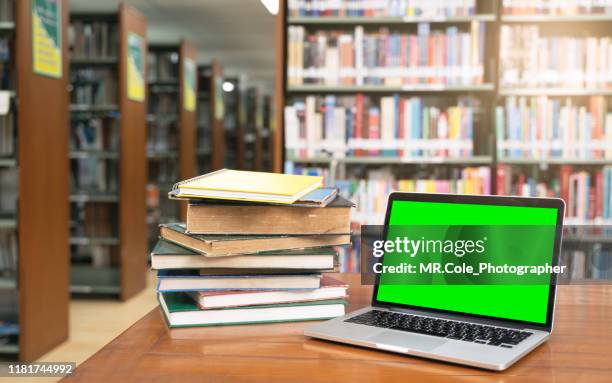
162, 135
336, 59
187, 114
211, 132
108, 157
33, 187
234, 140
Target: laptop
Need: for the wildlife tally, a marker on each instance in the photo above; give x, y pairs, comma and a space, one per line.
489, 326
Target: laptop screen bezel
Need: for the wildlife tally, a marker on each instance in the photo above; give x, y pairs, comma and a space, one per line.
480, 200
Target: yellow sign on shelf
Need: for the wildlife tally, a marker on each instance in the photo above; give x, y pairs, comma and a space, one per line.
135, 70
189, 85
47, 37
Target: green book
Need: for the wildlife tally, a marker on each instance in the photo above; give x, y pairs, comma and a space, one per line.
168, 255
181, 310
222, 245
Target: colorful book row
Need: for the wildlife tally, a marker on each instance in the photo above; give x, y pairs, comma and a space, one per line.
587, 194
380, 8
557, 7
449, 56
529, 58
391, 126
544, 127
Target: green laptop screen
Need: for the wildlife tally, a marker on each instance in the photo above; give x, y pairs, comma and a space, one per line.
522, 302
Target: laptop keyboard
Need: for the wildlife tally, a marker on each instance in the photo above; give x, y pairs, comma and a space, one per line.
467, 332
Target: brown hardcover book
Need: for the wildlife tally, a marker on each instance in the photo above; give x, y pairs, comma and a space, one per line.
222, 245
268, 219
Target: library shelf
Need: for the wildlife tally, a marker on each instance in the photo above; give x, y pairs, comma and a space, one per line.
474, 160
553, 161
86, 241
8, 162
94, 108
203, 152
127, 119
95, 280
8, 221
162, 154
381, 20
83, 197
558, 91
586, 18
42, 212
92, 153
8, 282
7, 26
9, 348
409, 88
93, 61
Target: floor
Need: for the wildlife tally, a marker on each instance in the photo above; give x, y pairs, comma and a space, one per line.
95, 322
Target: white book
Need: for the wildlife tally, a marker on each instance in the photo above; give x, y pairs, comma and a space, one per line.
330, 289
188, 282
181, 313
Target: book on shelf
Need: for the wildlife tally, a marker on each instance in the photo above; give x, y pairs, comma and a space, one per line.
555, 7
93, 39
8, 252
218, 245
240, 218
227, 184
531, 58
93, 87
434, 56
330, 288
543, 127
167, 255
7, 10
163, 66
94, 175
381, 8
95, 133
9, 183
193, 280
587, 193
180, 310
7, 135
592, 264
392, 126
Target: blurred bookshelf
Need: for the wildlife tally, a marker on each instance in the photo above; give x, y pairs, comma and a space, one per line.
162, 136
33, 187
211, 130
449, 97
107, 157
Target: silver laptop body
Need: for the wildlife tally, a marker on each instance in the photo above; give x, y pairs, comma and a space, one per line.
441, 348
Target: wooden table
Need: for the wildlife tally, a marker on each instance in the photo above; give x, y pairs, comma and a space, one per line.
580, 350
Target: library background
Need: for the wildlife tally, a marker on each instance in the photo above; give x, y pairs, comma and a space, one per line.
105, 105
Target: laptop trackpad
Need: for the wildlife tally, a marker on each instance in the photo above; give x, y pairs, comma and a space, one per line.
407, 341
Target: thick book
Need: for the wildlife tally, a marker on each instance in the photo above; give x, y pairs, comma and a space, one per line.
331, 288
236, 218
243, 185
216, 245
181, 311
167, 255
317, 198
192, 280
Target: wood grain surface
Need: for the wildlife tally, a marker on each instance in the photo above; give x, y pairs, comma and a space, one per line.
44, 253
132, 165
578, 351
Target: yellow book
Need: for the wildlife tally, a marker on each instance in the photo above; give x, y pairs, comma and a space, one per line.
247, 186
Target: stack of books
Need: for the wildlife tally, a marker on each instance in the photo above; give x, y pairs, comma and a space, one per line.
255, 248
